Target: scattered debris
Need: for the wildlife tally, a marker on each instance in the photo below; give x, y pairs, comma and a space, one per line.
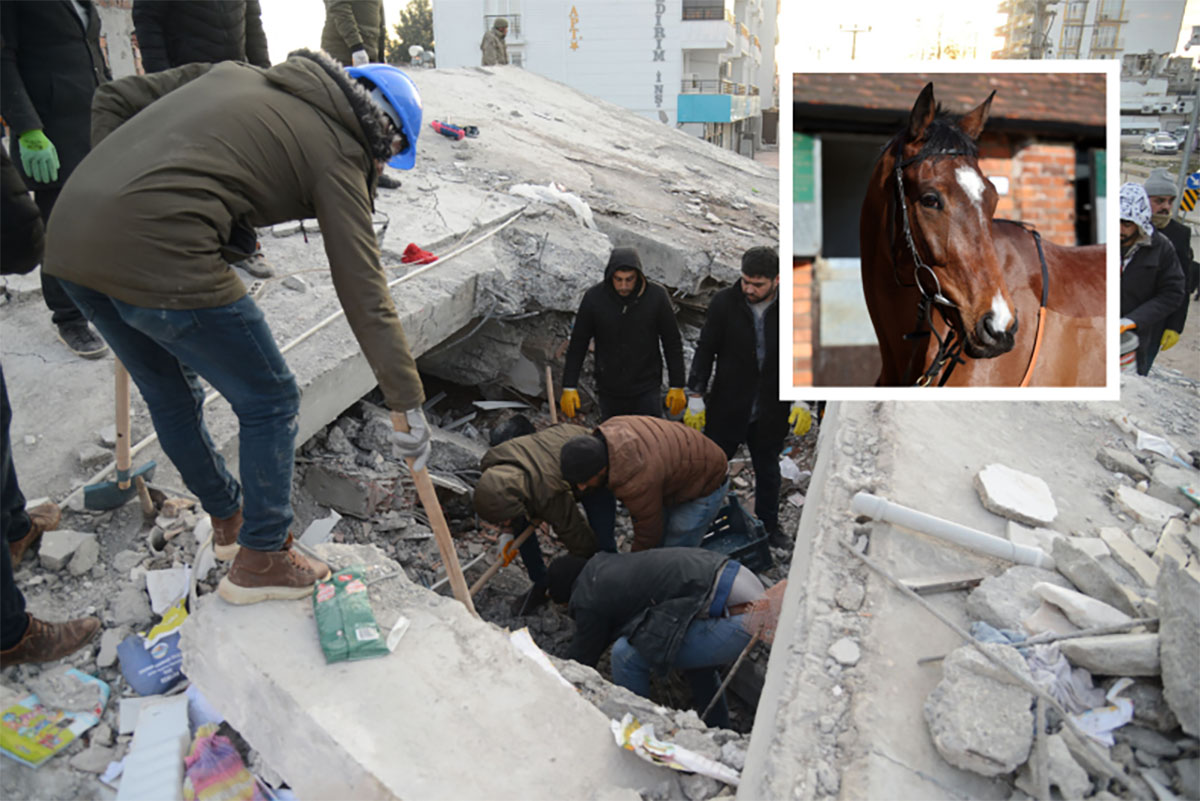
1016, 495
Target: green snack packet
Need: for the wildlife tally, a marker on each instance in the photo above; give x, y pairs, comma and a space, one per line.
345, 622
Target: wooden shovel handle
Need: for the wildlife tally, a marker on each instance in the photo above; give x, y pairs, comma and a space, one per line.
550, 396
499, 563
124, 458
437, 520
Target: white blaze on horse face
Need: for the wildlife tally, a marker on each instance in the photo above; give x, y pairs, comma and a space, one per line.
972, 183
1001, 315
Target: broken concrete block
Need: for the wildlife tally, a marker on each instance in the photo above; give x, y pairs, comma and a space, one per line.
85, 556
58, 547
451, 452
338, 442
1080, 609
295, 283
93, 457
1143, 508
109, 640
1119, 461
1092, 546
1165, 481
845, 651
1087, 574
376, 435
1150, 708
1005, 600
1114, 654
1179, 633
1131, 557
1065, 773
350, 494
1048, 619
1015, 495
1147, 740
130, 607
978, 719
1041, 538
108, 435
93, 759
1171, 544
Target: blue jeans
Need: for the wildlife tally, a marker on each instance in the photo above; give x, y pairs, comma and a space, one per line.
232, 348
686, 524
600, 506
708, 644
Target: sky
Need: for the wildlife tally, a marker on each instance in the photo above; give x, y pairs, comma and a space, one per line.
292, 24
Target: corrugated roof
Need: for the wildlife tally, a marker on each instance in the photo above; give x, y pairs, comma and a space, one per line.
1047, 99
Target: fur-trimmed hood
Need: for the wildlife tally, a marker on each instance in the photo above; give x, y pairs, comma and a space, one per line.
296, 75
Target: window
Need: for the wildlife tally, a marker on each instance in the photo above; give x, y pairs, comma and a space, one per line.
703, 9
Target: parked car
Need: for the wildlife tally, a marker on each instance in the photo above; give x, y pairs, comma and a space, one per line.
1159, 142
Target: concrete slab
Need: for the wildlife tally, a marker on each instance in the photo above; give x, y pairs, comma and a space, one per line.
454, 712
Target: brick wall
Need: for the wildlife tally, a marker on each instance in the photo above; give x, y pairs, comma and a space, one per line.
802, 323
1041, 183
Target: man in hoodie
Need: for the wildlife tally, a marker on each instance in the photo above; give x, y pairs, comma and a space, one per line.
1151, 280
494, 50
1161, 191
522, 482
628, 317
182, 157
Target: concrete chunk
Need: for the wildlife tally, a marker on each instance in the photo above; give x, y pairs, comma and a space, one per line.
978, 719
1004, 601
350, 494
1087, 574
327, 723
1080, 609
1115, 654
845, 651
1041, 538
1048, 618
85, 556
1133, 558
1144, 508
1119, 461
1165, 481
1179, 630
58, 547
1171, 544
1015, 495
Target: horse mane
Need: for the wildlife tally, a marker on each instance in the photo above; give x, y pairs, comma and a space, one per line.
942, 136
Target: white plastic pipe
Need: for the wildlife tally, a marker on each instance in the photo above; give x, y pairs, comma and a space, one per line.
873, 506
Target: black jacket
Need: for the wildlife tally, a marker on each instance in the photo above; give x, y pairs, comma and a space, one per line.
1181, 237
1151, 290
728, 337
172, 33
50, 66
22, 233
650, 597
627, 333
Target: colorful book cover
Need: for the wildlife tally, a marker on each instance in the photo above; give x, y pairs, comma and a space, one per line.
30, 733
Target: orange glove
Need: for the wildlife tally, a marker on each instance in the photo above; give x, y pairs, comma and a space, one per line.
569, 402
676, 400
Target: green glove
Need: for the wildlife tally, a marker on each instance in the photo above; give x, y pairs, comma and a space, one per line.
38, 156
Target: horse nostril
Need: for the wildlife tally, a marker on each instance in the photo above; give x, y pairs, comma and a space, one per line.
986, 330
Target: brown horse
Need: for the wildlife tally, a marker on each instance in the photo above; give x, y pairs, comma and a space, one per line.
929, 243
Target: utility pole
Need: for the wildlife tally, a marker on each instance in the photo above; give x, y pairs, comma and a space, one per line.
854, 32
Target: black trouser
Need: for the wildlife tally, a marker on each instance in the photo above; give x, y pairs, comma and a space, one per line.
765, 446
62, 308
14, 524
647, 403
600, 507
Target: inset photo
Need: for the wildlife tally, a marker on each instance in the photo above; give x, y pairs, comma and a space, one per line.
949, 230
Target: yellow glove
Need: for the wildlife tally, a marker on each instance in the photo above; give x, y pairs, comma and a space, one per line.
800, 418
694, 417
676, 400
1169, 339
569, 402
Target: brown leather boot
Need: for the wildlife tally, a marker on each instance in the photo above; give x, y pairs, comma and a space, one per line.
225, 534
47, 642
281, 575
42, 518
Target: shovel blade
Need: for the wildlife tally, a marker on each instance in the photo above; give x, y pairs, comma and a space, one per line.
108, 494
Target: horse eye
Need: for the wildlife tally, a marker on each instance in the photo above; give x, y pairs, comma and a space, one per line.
931, 200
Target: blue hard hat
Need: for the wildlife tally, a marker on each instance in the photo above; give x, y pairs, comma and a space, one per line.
402, 95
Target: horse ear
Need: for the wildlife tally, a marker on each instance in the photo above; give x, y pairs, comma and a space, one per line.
922, 113
972, 123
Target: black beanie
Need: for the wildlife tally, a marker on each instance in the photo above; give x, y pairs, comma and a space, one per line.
583, 457
561, 575
516, 426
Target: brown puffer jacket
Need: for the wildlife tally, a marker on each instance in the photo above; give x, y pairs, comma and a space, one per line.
654, 464
523, 477
182, 158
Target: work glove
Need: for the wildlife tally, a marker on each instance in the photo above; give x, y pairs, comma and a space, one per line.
569, 402
1169, 339
414, 444
694, 417
1127, 324
676, 400
800, 418
358, 58
38, 156
508, 551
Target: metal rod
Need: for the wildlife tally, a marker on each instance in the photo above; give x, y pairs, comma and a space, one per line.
733, 670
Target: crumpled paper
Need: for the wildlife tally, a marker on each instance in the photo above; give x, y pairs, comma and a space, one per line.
633, 736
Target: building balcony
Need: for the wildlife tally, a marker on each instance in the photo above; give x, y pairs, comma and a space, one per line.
717, 101
707, 34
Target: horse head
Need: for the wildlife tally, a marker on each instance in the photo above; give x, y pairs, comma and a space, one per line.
943, 225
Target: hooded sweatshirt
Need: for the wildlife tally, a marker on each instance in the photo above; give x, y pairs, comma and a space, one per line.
627, 331
523, 477
185, 157
1152, 283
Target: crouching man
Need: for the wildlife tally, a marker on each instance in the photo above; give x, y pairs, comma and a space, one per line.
682, 608
185, 164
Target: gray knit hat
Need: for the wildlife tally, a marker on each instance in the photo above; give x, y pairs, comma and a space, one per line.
1160, 184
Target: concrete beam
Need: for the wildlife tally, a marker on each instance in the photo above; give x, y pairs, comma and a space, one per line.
454, 712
